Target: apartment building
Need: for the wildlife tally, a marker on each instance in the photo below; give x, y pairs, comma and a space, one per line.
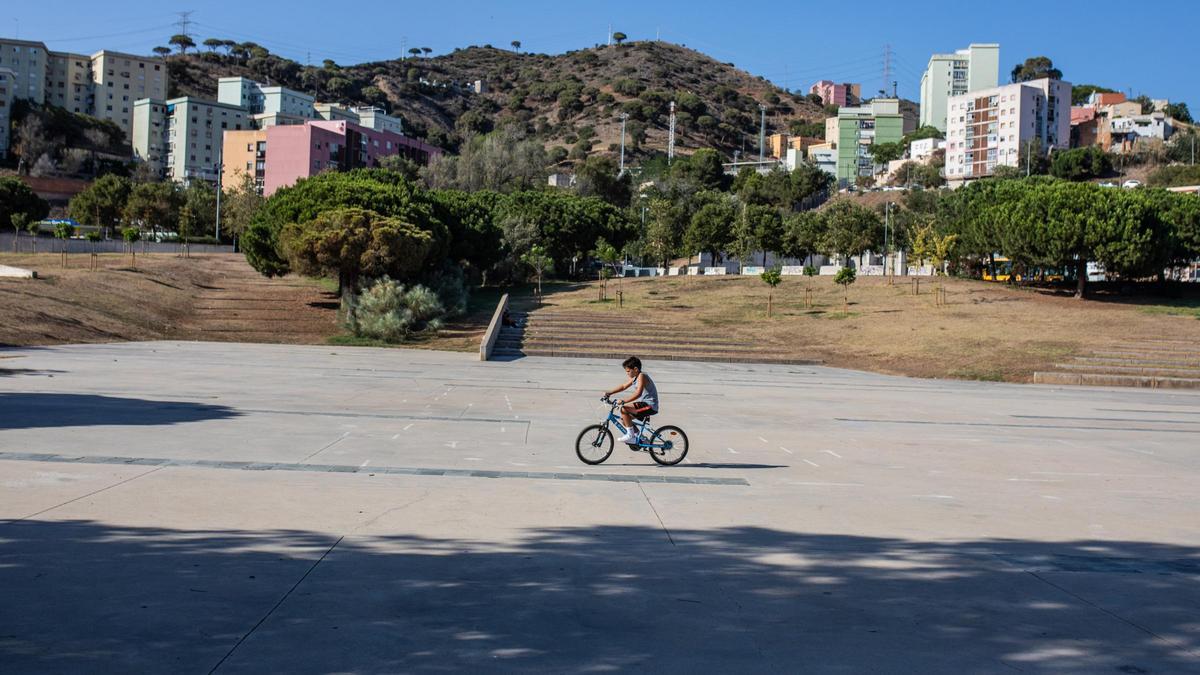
27, 61
839, 94
298, 151
331, 112
181, 138
375, 118
8, 80
105, 84
121, 79
990, 127
268, 106
244, 153
966, 70
856, 129
69, 81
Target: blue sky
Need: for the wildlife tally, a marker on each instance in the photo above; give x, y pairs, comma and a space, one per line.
1149, 49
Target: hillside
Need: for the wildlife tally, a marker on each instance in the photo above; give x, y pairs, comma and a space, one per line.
558, 99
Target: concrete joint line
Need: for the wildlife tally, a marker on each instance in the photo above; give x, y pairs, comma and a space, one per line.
277, 604
660, 520
93, 492
1118, 617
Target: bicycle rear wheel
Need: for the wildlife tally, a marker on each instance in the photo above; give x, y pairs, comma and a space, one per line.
668, 445
594, 445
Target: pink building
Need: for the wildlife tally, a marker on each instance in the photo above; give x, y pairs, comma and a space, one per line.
301, 150
844, 94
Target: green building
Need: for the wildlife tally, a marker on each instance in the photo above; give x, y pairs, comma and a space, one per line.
854, 130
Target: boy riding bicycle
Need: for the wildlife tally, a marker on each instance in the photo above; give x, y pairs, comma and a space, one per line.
642, 403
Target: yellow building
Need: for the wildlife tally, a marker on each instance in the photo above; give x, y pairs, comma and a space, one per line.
244, 153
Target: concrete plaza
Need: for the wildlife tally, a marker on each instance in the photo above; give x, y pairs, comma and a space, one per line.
199, 507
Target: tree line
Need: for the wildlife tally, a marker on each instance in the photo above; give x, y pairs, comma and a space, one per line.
115, 203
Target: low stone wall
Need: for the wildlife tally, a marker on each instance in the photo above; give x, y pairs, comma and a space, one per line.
16, 272
493, 330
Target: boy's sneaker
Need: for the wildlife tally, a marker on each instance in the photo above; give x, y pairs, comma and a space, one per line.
627, 438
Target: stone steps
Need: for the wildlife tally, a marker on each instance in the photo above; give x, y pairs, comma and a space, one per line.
675, 355
598, 336
1109, 380
1158, 364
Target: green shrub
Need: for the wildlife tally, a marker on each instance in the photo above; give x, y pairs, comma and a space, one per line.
388, 311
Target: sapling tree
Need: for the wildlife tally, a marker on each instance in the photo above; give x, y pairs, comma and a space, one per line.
131, 235
771, 278
844, 278
539, 261
63, 232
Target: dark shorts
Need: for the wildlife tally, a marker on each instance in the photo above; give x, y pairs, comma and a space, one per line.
640, 409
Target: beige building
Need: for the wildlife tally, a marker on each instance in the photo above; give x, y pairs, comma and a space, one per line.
7, 81
105, 84
69, 81
120, 80
181, 138
28, 63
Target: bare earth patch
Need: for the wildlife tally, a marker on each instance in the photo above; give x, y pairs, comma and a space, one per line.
162, 296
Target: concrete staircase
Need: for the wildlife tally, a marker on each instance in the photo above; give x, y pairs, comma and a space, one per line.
1159, 364
602, 336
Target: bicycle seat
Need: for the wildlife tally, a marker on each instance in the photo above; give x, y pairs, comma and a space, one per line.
648, 413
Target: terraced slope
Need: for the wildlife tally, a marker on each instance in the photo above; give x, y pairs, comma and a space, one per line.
1160, 364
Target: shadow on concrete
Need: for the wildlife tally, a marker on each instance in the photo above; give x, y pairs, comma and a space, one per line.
10, 372
85, 596
37, 410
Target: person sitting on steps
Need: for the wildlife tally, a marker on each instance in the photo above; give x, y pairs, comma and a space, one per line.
642, 403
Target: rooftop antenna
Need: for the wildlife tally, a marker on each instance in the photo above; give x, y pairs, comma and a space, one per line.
671, 136
887, 65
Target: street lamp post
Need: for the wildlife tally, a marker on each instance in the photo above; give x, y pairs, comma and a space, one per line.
624, 117
220, 170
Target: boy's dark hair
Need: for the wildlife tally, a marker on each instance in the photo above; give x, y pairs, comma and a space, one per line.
632, 362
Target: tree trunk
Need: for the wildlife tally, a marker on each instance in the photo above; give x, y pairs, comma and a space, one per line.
992, 264
1080, 278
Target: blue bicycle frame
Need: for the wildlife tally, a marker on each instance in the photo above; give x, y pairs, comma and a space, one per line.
615, 420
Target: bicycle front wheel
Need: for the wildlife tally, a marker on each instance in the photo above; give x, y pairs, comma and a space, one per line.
594, 445
668, 445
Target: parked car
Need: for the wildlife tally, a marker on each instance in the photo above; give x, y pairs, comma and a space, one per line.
1107, 184
1131, 183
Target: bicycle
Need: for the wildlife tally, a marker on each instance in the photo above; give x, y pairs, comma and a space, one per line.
666, 445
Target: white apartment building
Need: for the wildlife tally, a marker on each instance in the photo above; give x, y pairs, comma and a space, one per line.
268, 106
336, 113
988, 128
966, 70
377, 119
8, 81
181, 138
